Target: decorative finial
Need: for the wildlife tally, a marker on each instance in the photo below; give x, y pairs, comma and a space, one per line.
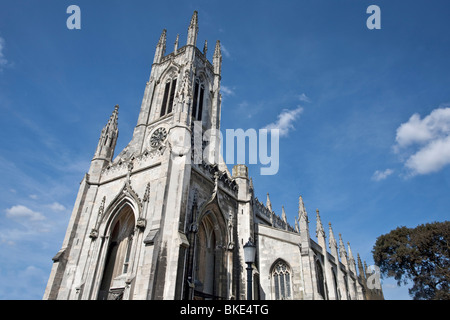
193, 30
175, 49
332, 240
319, 227
283, 214
205, 47
268, 203
342, 250
217, 59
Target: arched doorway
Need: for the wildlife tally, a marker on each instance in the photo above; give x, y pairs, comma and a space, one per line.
206, 262
210, 256
118, 255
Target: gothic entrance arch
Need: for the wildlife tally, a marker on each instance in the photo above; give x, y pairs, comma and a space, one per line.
118, 255
210, 274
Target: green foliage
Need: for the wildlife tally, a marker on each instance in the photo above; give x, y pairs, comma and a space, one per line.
420, 254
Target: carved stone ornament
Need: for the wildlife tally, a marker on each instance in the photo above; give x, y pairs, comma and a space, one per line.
141, 223
94, 234
158, 137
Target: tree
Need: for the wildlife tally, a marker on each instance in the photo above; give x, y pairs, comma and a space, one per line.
420, 254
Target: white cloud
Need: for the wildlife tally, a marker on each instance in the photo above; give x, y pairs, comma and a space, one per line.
381, 175
435, 125
55, 206
22, 212
285, 121
431, 158
426, 142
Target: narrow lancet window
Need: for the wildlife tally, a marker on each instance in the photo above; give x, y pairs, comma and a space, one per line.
197, 102
169, 94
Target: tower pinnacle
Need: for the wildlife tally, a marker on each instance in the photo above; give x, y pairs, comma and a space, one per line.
342, 251
319, 227
301, 209
193, 30
160, 47
108, 137
332, 241
106, 145
268, 203
217, 58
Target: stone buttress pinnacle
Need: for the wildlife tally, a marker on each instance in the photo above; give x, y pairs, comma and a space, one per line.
342, 250
217, 59
268, 203
319, 227
332, 241
193, 30
301, 209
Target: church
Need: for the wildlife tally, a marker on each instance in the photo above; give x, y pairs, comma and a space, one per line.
154, 223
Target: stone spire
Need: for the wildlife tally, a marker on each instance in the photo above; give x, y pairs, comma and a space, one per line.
342, 251
175, 47
350, 254
105, 148
362, 273
268, 203
108, 138
160, 47
250, 185
320, 233
205, 47
332, 241
319, 227
193, 30
351, 260
284, 217
303, 225
217, 59
301, 209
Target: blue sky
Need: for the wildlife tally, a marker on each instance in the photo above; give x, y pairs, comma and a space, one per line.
365, 114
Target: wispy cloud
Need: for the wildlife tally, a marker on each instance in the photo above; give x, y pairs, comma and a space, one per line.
304, 98
285, 121
225, 51
227, 91
3, 61
425, 143
381, 175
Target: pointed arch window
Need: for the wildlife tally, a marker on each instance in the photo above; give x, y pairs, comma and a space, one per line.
337, 291
320, 280
169, 95
281, 275
197, 103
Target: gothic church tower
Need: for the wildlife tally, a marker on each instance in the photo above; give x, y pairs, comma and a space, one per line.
165, 219
152, 224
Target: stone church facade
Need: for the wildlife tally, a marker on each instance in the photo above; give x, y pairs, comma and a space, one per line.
152, 223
